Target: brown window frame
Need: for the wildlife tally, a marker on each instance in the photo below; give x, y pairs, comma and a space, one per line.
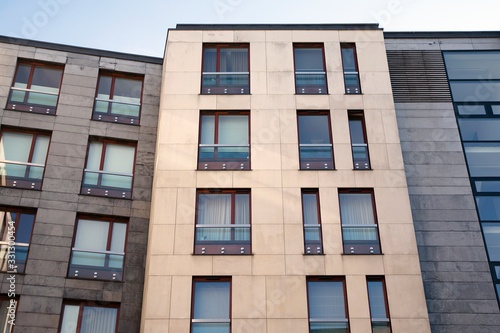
223, 163
19, 266
378, 321
26, 182
326, 279
359, 163
310, 89
356, 89
220, 88
25, 106
232, 246
200, 279
107, 191
93, 272
315, 163
312, 247
82, 304
109, 116
352, 247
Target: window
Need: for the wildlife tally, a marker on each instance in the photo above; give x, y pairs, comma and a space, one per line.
89, 317
312, 222
359, 224
211, 305
225, 69
310, 74
379, 311
22, 158
35, 87
224, 138
98, 249
359, 145
118, 98
326, 298
109, 170
350, 66
315, 140
8, 306
223, 222
16, 229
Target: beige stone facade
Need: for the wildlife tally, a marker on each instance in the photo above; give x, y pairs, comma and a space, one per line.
268, 286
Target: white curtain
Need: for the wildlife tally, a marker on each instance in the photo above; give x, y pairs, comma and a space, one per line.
310, 215
214, 209
356, 208
211, 300
234, 60
326, 300
92, 236
70, 318
98, 320
242, 216
119, 158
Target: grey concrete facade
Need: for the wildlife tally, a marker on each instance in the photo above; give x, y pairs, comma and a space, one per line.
45, 285
457, 280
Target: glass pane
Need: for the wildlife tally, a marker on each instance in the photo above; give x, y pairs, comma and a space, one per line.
326, 300
495, 109
473, 65
5, 327
483, 159
104, 89
471, 109
46, 79
127, 96
211, 300
376, 297
233, 130
214, 209
497, 272
91, 236
310, 208
356, 208
360, 153
492, 238
487, 185
118, 237
93, 163
309, 60
498, 291
22, 76
480, 129
320, 153
486, 91
233, 60
24, 228
70, 319
311, 80
118, 159
242, 216
360, 234
210, 60
348, 59
207, 129
98, 320
314, 129
42, 99
15, 147
210, 328
356, 130
39, 156
489, 208
381, 328
320, 327
101, 107
312, 234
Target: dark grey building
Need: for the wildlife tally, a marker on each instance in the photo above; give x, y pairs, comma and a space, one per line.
77, 144
447, 98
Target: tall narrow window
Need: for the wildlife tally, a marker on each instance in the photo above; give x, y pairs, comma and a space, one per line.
109, 170
315, 140
359, 224
327, 303
224, 141
16, 229
223, 222
211, 305
88, 317
310, 74
22, 158
98, 249
379, 311
35, 87
8, 306
225, 69
350, 66
359, 144
118, 98
312, 222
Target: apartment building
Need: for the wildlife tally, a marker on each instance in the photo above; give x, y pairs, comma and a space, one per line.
77, 144
280, 201
447, 98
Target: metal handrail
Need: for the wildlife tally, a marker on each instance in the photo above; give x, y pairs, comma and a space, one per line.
319, 320
22, 163
113, 101
223, 226
222, 145
99, 252
36, 91
315, 145
15, 243
110, 173
360, 226
210, 320
297, 72
226, 73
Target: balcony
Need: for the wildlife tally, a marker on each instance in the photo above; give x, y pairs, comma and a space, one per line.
31, 100
225, 83
107, 184
222, 239
98, 265
223, 157
21, 174
361, 239
124, 112
316, 156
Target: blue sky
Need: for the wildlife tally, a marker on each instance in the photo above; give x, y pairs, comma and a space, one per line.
140, 26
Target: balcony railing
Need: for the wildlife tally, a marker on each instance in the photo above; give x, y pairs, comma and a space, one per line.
321, 325
351, 81
222, 239
312, 239
116, 111
32, 100
108, 184
316, 156
225, 83
381, 325
19, 256
360, 156
223, 157
99, 265
360, 239
21, 174
211, 325
310, 83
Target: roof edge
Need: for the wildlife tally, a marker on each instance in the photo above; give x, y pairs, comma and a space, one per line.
441, 34
81, 50
326, 26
